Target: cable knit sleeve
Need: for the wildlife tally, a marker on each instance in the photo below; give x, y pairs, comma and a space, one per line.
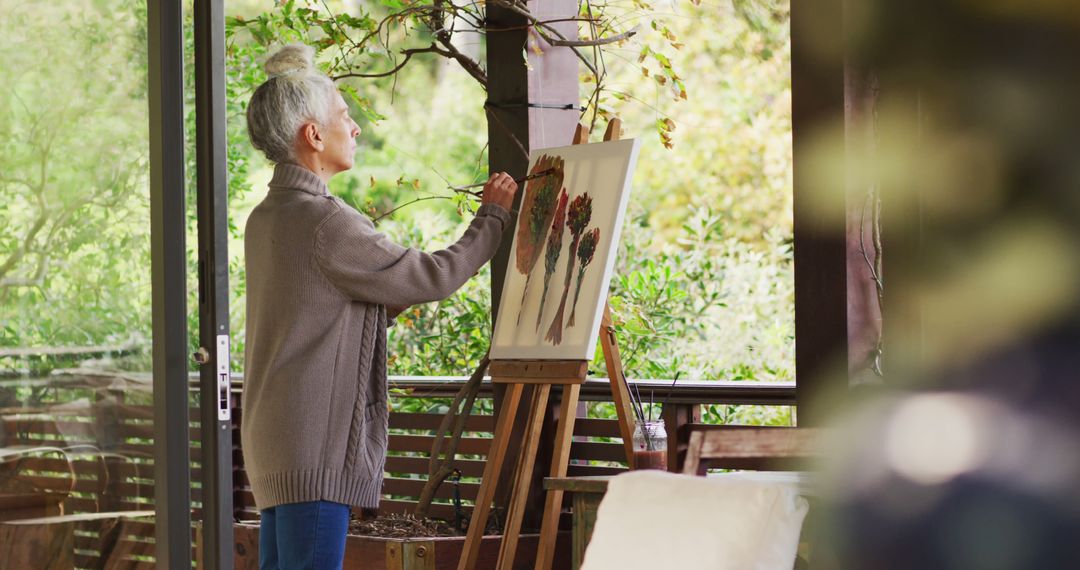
367, 266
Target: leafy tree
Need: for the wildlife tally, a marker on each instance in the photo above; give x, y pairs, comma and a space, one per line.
74, 232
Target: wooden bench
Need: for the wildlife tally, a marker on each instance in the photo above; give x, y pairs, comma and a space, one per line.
751, 447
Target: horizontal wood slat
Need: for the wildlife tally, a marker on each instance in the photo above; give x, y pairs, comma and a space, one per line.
422, 443
49, 462
86, 560
74, 505
244, 498
413, 488
87, 542
756, 442
141, 528
598, 451
145, 490
596, 428
146, 451
137, 412
402, 420
746, 447
400, 464
49, 427
62, 485
138, 565
142, 431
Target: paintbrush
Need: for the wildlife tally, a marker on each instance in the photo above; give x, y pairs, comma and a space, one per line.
533, 176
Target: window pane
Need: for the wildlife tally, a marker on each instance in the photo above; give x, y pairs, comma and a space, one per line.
75, 310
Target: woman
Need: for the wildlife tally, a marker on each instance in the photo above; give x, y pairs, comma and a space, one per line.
320, 280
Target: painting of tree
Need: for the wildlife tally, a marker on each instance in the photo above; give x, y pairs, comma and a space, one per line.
537, 210
585, 254
554, 248
577, 220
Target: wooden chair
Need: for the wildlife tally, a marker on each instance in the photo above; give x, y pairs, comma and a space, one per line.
751, 448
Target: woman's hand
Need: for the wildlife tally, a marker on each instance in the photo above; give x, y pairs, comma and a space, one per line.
500, 189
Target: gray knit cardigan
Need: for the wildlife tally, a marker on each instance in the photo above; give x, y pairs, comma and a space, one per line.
319, 279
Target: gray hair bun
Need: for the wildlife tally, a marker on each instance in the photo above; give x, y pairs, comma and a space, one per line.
294, 92
292, 59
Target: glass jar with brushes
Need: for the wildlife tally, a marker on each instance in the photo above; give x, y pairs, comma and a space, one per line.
650, 444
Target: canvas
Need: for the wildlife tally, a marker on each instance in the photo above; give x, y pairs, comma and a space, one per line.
565, 242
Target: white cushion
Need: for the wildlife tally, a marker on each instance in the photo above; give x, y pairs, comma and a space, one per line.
655, 520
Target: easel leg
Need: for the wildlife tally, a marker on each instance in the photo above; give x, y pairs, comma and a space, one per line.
508, 547
620, 393
564, 436
492, 467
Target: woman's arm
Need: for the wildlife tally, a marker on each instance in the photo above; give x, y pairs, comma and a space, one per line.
367, 266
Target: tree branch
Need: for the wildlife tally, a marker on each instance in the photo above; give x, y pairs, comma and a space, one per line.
467, 63
36, 281
542, 22
408, 53
597, 42
433, 16
20, 252
406, 204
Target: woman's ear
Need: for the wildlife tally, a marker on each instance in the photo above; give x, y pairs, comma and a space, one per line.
311, 137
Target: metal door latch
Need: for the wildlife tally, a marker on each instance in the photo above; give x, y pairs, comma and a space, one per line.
224, 383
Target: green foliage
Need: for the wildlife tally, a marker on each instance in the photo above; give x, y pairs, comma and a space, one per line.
707, 306
731, 138
74, 242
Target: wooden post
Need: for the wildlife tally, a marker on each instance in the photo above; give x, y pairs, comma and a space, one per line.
817, 111
531, 104
677, 420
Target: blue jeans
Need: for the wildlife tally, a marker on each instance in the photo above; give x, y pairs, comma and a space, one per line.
303, 536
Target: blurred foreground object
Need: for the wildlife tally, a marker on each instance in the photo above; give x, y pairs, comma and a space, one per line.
965, 455
953, 480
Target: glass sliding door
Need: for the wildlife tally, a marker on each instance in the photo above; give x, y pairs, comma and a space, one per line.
76, 321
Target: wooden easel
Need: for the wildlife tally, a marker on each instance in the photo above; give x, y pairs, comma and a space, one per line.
542, 374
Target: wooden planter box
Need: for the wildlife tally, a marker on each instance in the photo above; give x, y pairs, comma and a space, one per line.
421, 553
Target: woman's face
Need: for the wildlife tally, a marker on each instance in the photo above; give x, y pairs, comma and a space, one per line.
339, 137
